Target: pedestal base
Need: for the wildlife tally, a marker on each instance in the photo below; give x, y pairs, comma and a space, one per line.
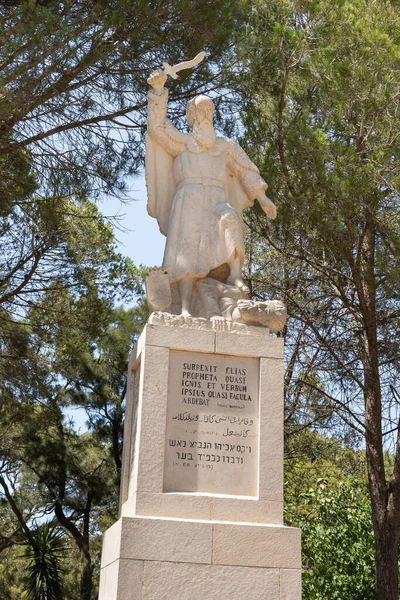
201, 510
165, 559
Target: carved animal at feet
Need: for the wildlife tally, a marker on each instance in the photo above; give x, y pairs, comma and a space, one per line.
271, 314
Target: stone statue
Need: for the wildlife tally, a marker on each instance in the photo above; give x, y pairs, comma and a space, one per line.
198, 185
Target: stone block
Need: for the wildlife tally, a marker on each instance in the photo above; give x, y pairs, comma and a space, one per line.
109, 581
201, 507
166, 540
290, 584
212, 432
149, 450
271, 430
271, 383
180, 338
111, 544
246, 511
256, 546
128, 508
249, 345
178, 506
209, 537
271, 462
162, 581
121, 580
134, 356
130, 429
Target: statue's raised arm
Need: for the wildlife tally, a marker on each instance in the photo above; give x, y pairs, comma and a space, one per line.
159, 127
198, 186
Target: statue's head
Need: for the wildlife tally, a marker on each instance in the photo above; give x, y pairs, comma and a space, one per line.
200, 108
199, 115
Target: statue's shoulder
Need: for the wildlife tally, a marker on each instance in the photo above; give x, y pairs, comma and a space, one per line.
221, 146
228, 145
237, 153
224, 142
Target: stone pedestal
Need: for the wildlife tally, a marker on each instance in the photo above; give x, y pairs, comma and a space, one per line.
201, 511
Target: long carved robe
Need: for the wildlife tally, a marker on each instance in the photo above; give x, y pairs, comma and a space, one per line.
197, 195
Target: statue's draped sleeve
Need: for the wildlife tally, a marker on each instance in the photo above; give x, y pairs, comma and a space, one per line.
244, 181
163, 143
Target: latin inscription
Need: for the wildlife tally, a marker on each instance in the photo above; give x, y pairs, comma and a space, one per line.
212, 424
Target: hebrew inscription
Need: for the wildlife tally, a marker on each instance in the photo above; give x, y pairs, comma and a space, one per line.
212, 427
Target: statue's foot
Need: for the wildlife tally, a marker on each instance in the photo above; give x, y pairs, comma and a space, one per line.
185, 313
239, 283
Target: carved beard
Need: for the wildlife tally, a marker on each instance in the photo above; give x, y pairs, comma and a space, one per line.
204, 134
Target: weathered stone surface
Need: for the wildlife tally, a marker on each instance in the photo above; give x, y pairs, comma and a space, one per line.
130, 430
246, 511
166, 540
191, 582
180, 338
175, 506
248, 345
290, 584
121, 580
147, 468
108, 587
256, 546
271, 424
203, 507
175, 540
111, 544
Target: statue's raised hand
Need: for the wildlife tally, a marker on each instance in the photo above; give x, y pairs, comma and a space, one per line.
157, 80
267, 205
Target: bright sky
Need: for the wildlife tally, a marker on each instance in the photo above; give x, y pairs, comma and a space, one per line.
137, 233
138, 237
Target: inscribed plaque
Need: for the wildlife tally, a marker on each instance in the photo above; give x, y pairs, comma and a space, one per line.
212, 430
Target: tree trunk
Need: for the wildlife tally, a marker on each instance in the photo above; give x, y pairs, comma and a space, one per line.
386, 562
86, 576
87, 570
384, 501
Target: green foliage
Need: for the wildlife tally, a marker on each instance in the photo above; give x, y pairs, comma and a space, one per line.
52, 468
326, 495
72, 118
60, 277
321, 121
324, 76
17, 181
73, 80
45, 553
337, 541
12, 573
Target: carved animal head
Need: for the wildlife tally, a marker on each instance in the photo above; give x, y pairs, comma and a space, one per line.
271, 313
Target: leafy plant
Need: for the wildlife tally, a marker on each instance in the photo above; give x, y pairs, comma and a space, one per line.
45, 553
